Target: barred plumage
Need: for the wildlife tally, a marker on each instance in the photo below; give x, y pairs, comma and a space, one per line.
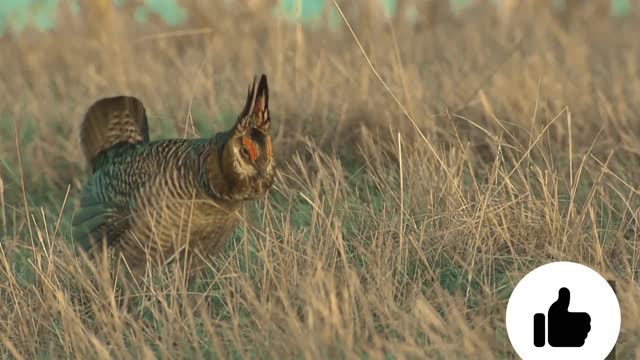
156, 198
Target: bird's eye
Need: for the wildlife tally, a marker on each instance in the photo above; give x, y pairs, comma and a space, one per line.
245, 152
248, 150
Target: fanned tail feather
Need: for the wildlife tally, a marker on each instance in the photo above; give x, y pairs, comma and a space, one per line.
111, 121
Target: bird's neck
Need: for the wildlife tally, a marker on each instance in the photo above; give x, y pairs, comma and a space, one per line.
217, 168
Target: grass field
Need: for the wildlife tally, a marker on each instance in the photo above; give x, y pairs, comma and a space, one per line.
402, 215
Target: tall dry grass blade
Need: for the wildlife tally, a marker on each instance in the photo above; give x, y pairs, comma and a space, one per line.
3, 214
12, 349
23, 189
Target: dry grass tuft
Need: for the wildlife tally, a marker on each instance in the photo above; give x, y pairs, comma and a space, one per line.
375, 241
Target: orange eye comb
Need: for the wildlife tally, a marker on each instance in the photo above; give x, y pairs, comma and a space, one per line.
253, 154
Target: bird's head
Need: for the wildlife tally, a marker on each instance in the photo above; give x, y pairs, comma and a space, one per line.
247, 156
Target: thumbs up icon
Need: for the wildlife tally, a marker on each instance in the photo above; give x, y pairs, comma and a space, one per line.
565, 329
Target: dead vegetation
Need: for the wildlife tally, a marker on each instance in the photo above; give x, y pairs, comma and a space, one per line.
383, 236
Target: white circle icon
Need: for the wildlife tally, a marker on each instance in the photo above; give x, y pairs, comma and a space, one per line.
563, 310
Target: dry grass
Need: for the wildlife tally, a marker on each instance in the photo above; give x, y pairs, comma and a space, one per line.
376, 241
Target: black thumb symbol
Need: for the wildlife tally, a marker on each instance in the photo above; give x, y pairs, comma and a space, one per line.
562, 304
567, 329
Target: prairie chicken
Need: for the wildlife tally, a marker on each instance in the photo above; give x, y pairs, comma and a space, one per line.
156, 198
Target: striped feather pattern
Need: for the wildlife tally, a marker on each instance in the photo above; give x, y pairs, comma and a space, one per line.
157, 192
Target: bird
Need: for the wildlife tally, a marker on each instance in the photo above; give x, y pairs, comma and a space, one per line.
150, 200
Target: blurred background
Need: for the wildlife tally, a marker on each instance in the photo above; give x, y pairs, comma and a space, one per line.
492, 137
452, 51
16, 15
